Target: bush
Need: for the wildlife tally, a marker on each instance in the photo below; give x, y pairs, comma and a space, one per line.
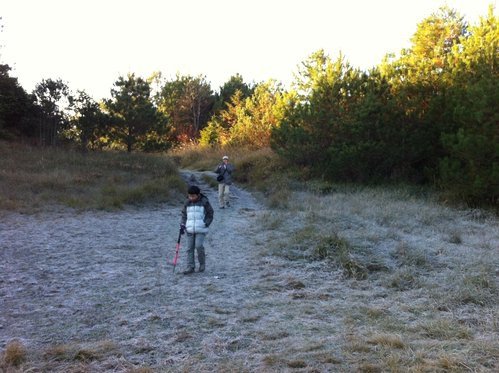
471, 170
15, 354
340, 251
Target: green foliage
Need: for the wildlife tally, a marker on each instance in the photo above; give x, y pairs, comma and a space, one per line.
228, 90
344, 124
246, 121
212, 134
429, 116
16, 107
88, 122
471, 171
135, 119
470, 168
257, 117
53, 99
217, 130
309, 123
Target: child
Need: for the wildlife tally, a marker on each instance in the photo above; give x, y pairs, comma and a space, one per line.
197, 215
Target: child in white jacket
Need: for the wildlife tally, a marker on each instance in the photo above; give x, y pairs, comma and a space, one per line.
197, 215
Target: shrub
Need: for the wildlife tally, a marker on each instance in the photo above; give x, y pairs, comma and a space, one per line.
340, 251
15, 354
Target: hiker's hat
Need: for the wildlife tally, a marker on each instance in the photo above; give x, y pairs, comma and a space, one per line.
225, 157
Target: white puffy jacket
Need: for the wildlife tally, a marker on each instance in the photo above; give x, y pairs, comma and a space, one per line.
197, 216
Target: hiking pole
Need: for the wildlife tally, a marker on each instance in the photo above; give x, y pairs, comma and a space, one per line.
177, 248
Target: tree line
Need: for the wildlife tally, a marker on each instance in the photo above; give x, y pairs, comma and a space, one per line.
142, 114
426, 115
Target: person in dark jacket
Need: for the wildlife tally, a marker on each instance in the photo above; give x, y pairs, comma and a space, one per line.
224, 171
197, 215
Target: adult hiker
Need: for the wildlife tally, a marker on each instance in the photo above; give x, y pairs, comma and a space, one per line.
197, 215
224, 171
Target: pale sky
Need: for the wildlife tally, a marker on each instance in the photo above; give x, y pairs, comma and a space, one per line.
90, 43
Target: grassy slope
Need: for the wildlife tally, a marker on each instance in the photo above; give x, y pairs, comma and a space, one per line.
37, 178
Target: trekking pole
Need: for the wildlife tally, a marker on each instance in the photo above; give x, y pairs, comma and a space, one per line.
177, 248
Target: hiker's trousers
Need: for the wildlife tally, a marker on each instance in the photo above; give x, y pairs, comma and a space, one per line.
195, 241
223, 195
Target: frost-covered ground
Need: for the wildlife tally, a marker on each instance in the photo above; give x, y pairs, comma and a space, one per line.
95, 291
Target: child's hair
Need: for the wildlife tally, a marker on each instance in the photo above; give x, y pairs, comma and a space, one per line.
193, 189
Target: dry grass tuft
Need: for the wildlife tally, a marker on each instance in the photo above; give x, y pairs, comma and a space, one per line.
274, 335
444, 329
411, 256
59, 352
215, 322
14, 355
272, 360
81, 353
477, 285
293, 284
405, 278
86, 355
455, 238
182, 336
250, 318
340, 251
297, 364
387, 340
370, 368
355, 344
376, 313
140, 370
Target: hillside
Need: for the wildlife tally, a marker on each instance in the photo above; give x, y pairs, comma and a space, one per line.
350, 280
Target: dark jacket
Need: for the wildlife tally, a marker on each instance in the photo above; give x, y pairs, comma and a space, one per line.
226, 170
197, 216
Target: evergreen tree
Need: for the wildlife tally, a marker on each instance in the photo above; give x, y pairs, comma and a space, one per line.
470, 166
54, 100
133, 112
88, 123
17, 109
228, 90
